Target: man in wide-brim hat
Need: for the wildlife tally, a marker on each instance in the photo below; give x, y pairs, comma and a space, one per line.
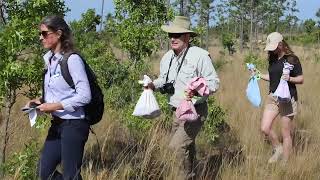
177, 67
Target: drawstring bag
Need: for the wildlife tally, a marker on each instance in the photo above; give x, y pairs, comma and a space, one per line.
186, 110
253, 90
147, 105
282, 91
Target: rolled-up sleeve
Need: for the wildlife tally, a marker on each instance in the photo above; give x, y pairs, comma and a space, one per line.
82, 94
208, 72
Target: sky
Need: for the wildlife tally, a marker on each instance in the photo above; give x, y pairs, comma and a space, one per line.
307, 8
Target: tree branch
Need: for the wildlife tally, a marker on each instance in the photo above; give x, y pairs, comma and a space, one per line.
2, 11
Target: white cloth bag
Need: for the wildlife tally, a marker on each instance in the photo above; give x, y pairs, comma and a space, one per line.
147, 105
282, 91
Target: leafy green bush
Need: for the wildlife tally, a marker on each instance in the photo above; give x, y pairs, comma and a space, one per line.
256, 60
216, 117
24, 164
228, 42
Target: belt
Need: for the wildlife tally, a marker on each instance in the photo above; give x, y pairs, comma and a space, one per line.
57, 120
174, 108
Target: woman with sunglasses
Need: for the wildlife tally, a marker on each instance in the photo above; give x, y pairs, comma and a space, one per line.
69, 130
279, 52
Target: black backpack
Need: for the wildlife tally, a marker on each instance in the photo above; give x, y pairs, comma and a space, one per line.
94, 110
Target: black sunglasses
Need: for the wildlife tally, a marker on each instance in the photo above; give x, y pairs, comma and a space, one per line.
175, 35
45, 33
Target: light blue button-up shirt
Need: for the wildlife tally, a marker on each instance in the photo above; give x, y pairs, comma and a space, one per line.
56, 89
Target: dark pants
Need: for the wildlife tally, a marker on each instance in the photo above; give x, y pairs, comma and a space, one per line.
64, 144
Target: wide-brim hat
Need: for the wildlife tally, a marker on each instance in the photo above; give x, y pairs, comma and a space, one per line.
273, 40
180, 24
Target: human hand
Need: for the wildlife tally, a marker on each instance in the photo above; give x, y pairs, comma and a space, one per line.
33, 102
253, 71
285, 77
189, 94
50, 107
150, 86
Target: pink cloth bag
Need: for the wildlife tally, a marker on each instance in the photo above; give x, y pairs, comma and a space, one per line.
186, 110
199, 84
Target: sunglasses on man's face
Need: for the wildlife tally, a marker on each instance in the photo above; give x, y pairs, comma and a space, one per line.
175, 35
45, 33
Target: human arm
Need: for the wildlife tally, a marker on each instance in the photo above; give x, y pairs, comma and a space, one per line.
265, 77
82, 92
295, 80
161, 80
296, 75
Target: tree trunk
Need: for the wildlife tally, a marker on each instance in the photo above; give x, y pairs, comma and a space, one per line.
251, 26
102, 8
241, 34
207, 34
2, 13
184, 8
4, 127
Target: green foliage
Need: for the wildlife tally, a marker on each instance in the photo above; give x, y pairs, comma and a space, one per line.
123, 92
216, 117
228, 42
24, 163
84, 30
309, 25
137, 26
20, 51
305, 39
256, 60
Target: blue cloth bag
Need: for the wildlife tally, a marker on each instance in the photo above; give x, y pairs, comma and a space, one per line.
253, 90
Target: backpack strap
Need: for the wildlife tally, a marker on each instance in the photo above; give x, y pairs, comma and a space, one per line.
65, 69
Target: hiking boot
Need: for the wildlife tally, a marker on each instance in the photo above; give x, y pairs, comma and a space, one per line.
277, 154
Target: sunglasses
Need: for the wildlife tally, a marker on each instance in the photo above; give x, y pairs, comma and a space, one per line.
45, 33
175, 35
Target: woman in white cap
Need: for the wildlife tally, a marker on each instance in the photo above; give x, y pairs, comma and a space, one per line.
279, 52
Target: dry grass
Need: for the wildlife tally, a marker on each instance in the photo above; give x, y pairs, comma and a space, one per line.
122, 157
245, 120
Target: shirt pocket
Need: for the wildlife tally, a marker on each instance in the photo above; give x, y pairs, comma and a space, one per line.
58, 83
187, 72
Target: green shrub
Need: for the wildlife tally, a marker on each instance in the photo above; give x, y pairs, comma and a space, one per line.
256, 60
216, 118
228, 42
24, 164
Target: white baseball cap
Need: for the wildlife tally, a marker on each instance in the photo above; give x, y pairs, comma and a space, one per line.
273, 40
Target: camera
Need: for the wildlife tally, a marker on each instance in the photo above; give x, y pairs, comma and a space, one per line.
167, 88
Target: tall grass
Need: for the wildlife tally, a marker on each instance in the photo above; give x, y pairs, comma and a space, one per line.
241, 153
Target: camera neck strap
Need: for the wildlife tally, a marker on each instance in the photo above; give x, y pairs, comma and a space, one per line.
184, 55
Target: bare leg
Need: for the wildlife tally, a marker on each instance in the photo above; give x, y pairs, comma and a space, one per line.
286, 128
266, 126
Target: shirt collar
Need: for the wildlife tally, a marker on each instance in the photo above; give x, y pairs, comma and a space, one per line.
180, 54
49, 54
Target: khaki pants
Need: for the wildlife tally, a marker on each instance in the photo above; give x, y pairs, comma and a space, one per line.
183, 141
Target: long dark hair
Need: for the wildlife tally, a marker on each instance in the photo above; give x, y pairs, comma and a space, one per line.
287, 50
55, 23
